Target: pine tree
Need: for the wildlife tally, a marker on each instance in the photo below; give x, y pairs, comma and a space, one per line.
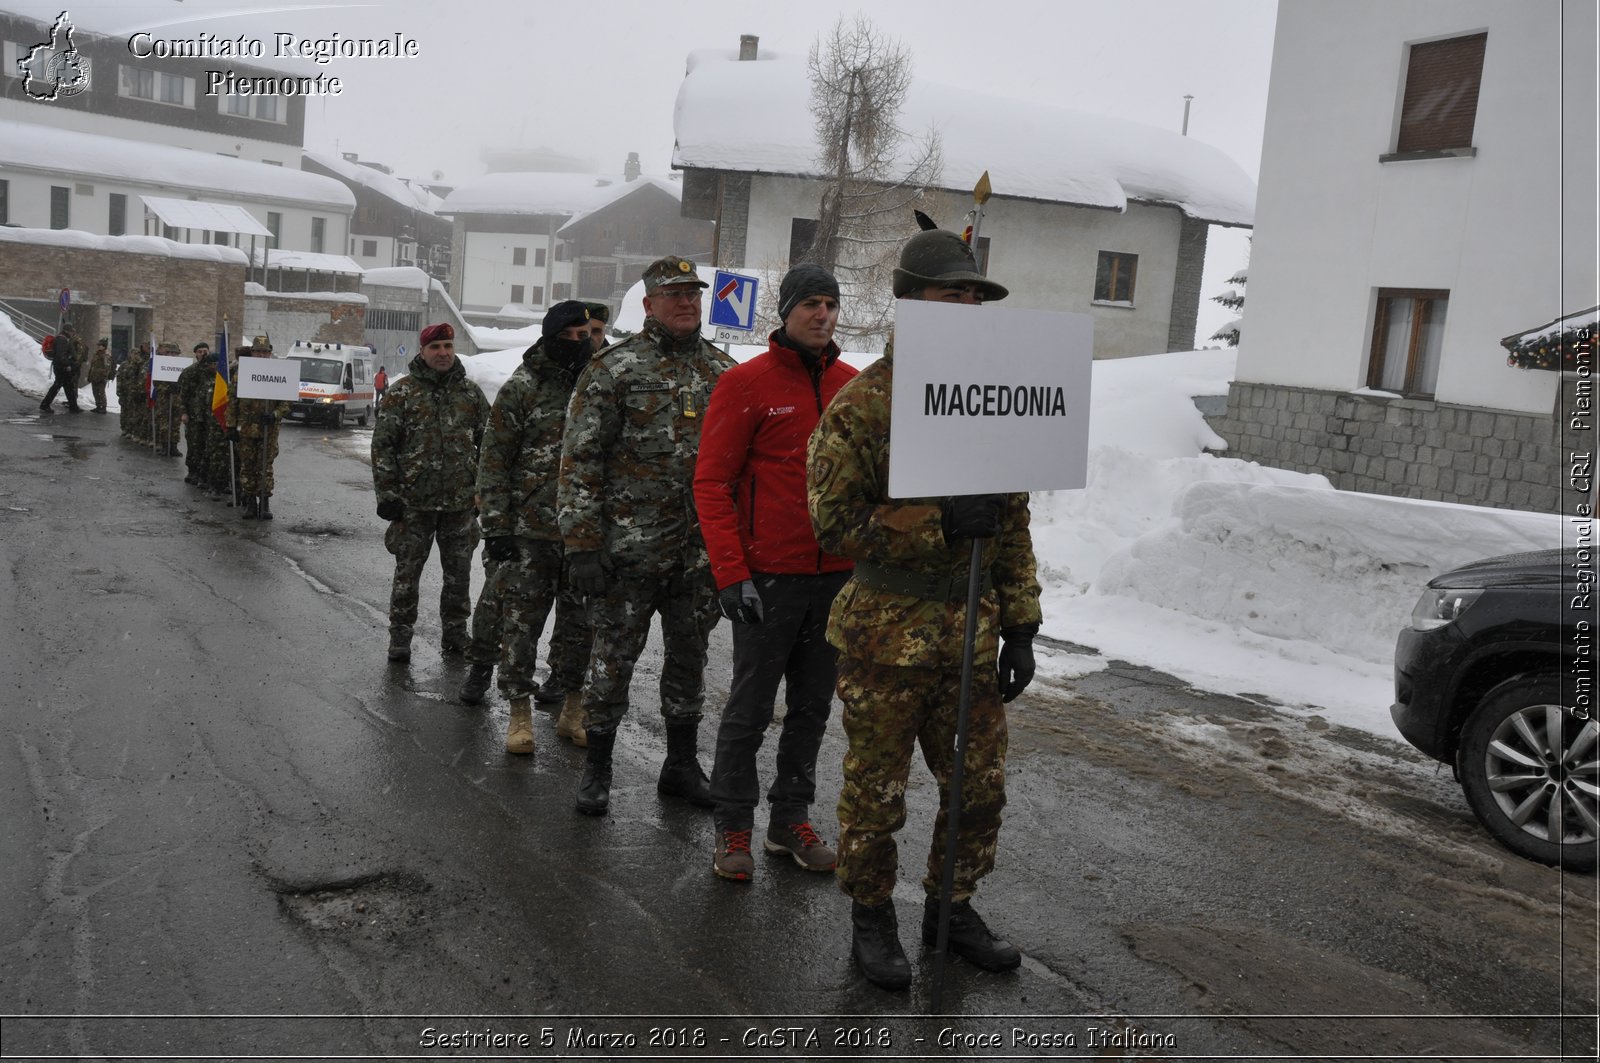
1233, 299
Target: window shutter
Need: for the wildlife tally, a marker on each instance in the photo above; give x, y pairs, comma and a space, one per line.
1441, 97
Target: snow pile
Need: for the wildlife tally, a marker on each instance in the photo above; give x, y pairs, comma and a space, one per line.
139, 245
21, 360
396, 277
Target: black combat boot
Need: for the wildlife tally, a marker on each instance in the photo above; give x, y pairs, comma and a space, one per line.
875, 944
594, 789
476, 684
680, 772
549, 691
266, 510
251, 508
969, 937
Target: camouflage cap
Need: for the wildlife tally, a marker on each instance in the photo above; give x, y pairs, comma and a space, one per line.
261, 343
672, 270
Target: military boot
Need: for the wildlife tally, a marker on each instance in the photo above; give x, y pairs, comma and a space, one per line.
594, 789
875, 944
681, 775
476, 684
252, 508
266, 510
550, 691
519, 735
570, 724
969, 937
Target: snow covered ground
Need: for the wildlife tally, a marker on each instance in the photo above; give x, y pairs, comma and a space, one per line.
1232, 576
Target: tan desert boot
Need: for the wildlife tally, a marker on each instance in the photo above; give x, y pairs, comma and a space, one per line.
571, 723
519, 735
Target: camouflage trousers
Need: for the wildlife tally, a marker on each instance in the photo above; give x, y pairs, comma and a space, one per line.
164, 417
687, 602
410, 539
887, 710
219, 456
520, 594
252, 480
196, 446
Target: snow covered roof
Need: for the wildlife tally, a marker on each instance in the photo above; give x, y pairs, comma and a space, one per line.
306, 260
198, 214
142, 245
572, 194
390, 187
396, 277
91, 155
1031, 149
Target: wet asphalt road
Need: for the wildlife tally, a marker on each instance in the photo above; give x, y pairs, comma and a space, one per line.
232, 828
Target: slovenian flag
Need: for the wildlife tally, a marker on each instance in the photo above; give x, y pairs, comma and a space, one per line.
219, 390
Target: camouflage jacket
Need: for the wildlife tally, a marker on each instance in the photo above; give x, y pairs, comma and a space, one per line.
847, 479
521, 458
131, 377
627, 455
253, 418
194, 388
425, 445
100, 366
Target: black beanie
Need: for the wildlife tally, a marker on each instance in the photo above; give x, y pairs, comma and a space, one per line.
564, 315
803, 282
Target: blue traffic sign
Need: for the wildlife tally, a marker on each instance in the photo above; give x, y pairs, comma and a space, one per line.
66, 299
733, 301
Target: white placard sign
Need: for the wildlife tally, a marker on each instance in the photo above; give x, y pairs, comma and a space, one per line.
166, 367
269, 378
988, 399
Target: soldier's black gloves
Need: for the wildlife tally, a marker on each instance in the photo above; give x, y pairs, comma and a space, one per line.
971, 516
1016, 660
586, 573
393, 509
741, 602
500, 547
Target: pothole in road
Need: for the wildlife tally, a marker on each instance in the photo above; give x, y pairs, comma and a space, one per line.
380, 905
315, 531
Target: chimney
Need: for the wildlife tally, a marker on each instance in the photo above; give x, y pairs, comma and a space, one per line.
630, 169
747, 46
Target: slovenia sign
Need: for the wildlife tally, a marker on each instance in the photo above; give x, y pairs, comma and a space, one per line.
167, 367
988, 399
269, 378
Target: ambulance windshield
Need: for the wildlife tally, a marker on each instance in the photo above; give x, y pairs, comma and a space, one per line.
320, 370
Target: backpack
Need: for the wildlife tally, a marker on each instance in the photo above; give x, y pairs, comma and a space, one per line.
49, 346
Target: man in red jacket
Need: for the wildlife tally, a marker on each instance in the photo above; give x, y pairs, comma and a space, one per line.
774, 582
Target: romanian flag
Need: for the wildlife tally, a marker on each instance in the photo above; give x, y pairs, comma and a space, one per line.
219, 390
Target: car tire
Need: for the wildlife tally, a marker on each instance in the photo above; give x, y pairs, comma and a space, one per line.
338, 417
1537, 797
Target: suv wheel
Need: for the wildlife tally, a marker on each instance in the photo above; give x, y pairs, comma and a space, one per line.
1531, 771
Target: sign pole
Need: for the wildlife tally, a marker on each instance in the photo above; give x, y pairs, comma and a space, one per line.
958, 769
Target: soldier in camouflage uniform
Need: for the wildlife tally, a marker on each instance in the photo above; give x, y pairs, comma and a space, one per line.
517, 474
627, 518
99, 373
164, 414
253, 426
899, 625
424, 467
194, 404
132, 380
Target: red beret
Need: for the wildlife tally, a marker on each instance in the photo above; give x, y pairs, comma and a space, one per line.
435, 333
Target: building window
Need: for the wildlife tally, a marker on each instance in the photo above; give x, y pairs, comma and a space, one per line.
5, 202
561, 256
239, 105
802, 237
394, 320
169, 233
1114, 279
137, 82
369, 249
1440, 102
118, 223
516, 293
319, 227
267, 108
60, 215
538, 256
1407, 340
173, 89
558, 292
275, 227
519, 257
536, 295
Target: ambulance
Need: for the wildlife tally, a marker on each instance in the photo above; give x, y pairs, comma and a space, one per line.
335, 383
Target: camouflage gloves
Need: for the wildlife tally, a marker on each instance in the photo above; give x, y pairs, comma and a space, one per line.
971, 516
393, 509
1016, 664
741, 602
500, 548
586, 573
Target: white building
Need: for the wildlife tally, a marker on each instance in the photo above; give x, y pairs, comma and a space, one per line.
1089, 214
1428, 187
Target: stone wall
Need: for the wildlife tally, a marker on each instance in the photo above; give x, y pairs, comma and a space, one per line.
1406, 447
312, 319
733, 228
1186, 285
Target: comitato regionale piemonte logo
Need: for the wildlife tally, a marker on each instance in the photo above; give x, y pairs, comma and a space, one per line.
54, 69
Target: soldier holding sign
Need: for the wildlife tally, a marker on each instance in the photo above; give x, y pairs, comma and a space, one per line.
898, 625
253, 425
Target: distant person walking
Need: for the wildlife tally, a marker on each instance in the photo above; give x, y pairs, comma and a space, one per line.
64, 355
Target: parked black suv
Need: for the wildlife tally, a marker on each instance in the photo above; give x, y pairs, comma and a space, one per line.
1478, 685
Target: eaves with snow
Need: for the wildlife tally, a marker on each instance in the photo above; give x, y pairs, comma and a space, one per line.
754, 116
390, 187
26, 146
572, 195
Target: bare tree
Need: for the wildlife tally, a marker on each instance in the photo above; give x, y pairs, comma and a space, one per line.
875, 172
